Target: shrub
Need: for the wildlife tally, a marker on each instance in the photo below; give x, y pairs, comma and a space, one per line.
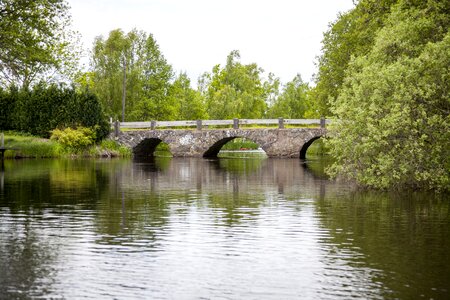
45, 107
115, 148
74, 139
7, 104
89, 113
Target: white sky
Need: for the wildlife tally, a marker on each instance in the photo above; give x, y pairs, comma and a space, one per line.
281, 36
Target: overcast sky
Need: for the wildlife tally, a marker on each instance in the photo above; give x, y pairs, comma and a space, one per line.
281, 36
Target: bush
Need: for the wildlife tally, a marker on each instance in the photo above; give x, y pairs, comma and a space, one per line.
394, 128
114, 148
7, 104
45, 107
74, 139
89, 113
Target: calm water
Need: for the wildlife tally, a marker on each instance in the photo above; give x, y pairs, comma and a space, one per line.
213, 229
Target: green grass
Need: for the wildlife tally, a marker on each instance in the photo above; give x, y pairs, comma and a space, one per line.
162, 150
239, 144
114, 146
27, 146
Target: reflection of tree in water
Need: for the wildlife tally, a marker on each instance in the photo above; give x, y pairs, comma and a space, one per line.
238, 166
26, 260
405, 237
144, 216
236, 202
236, 208
152, 164
127, 214
42, 184
316, 167
37, 197
129, 218
145, 196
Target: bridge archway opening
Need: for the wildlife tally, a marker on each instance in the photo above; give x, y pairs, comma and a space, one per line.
151, 147
234, 147
306, 150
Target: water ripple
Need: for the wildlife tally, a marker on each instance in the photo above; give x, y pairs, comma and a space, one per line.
202, 232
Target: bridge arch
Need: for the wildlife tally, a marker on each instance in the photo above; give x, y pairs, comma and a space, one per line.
146, 147
306, 145
213, 150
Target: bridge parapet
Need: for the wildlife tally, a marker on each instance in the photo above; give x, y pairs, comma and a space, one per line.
235, 123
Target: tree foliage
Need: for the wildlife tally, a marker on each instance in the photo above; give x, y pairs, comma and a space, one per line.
394, 104
189, 102
148, 76
46, 107
235, 91
74, 139
293, 102
35, 41
351, 35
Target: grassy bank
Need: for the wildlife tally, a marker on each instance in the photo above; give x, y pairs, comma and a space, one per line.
240, 144
27, 146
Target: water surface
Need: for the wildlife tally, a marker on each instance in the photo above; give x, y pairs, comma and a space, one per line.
214, 229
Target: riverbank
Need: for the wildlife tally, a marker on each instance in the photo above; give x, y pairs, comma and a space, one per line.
29, 146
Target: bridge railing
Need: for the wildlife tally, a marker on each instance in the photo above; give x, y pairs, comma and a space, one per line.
235, 123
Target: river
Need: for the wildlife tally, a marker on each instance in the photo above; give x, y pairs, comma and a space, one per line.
184, 228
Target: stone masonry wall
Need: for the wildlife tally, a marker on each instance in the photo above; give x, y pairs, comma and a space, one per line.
199, 143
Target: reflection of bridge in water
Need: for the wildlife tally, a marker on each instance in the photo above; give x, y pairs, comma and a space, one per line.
252, 177
204, 141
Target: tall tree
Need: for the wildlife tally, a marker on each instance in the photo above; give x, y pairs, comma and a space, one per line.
190, 104
235, 91
148, 76
108, 61
35, 41
292, 103
351, 35
394, 105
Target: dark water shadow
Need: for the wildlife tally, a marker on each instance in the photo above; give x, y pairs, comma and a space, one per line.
152, 164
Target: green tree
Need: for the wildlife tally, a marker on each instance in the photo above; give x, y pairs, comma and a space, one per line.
292, 103
394, 106
35, 41
235, 91
148, 76
108, 63
7, 103
351, 35
190, 105
46, 107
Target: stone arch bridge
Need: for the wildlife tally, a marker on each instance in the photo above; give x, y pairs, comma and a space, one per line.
201, 142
